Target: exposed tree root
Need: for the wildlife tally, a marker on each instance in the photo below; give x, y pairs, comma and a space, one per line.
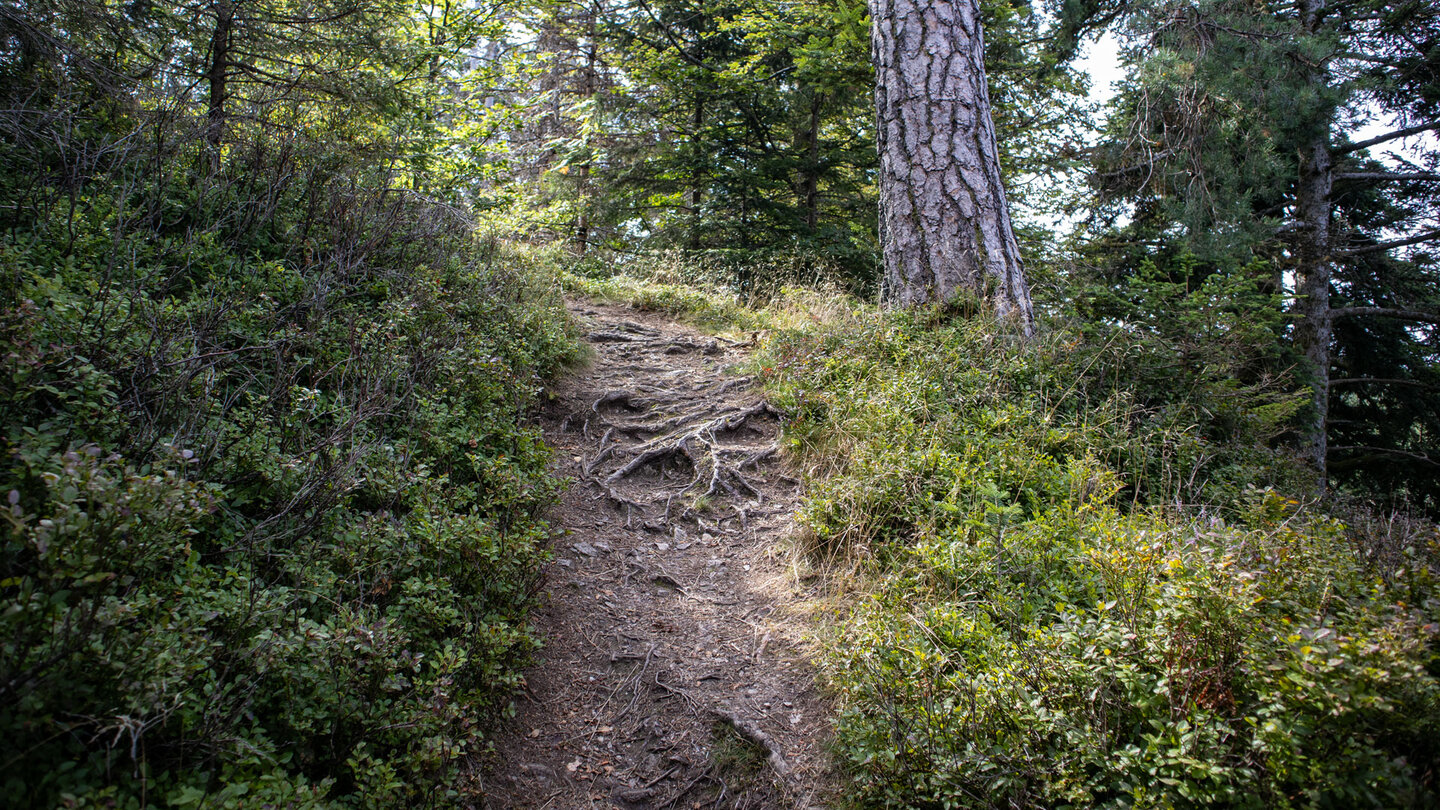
745, 414
655, 451
760, 455
611, 337
739, 383
682, 345
631, 506
634, 400
603, 452
756, 735
639, 329
634, 427
727, 477
699, 449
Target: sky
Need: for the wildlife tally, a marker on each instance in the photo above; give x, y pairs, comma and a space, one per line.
1101, 60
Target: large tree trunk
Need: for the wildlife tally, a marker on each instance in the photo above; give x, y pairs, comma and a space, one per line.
944, 220
810, 183
1313, 264
1312, 290
697, 173
217, 74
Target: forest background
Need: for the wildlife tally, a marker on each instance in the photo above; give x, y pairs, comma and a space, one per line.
281, 282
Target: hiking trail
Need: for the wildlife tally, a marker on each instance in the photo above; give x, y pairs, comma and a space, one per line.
672, 673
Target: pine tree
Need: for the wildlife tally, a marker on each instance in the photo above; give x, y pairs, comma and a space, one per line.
1234, 139
945, 220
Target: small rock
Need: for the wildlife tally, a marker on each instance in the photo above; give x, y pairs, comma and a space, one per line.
605, 547
680, 535
663, 546
707, 538
563, 563
544, 774
586, 549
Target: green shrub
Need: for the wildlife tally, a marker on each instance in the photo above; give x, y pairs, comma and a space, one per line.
271, 493
272, 527
1133, 661
1081, 588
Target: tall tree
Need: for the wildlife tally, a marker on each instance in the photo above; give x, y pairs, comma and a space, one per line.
944, 219
740, 129
1237, 138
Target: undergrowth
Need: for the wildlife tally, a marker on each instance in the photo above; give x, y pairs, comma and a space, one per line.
1086, 579
271, 528
710, 295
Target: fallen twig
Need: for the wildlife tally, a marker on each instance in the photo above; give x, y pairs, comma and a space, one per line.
756, 735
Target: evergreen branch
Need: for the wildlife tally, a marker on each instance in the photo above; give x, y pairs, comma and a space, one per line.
1389, 136
1388, 176
1385, 451
1383, 246
674, 40
1386, 312
1379, 381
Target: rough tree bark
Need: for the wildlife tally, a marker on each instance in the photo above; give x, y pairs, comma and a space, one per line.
697, 158
218, 73
810, 175
1314, 210
1312, 289
944, 220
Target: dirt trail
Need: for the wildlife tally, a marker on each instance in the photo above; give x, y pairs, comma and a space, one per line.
671, 675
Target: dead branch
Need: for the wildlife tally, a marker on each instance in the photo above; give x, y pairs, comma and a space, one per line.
756, 735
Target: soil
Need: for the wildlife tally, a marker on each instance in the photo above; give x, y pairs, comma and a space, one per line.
673, 673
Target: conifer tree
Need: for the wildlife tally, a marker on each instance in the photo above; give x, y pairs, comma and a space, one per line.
1236, 138
944, 217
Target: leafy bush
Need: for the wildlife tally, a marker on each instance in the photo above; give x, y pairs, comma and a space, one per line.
1083, 589
272, 503
1095, 659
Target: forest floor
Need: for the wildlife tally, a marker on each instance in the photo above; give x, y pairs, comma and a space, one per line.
673, 673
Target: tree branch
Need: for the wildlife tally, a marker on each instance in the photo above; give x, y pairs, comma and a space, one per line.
1388, 176
1381, 246
1386, 312
674, 41
1386, 451
1379, 381
1389, 136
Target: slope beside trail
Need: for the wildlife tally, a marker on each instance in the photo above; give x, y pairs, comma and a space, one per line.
671, 675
